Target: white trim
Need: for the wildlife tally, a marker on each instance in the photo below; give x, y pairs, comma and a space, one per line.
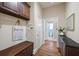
35, 50
49, 20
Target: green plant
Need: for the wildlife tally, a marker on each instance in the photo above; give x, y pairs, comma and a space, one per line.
61, 29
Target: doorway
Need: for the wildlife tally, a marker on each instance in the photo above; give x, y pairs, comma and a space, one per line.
50, 29
50, 32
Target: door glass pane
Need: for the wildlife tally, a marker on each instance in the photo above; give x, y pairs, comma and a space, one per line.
50, 29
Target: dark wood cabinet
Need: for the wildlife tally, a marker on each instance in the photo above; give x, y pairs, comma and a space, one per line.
21, 49
26, 52
13, 6
17, 9
1, 4
22, 53
20, 4
72, 51
26, 10
68, 47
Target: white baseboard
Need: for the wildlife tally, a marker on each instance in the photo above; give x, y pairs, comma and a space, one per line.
35, 50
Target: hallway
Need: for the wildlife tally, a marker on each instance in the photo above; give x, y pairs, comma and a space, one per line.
48, 49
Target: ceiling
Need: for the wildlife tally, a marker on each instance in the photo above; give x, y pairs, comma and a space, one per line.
49, 4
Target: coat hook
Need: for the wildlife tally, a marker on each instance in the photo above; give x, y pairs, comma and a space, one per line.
18, 22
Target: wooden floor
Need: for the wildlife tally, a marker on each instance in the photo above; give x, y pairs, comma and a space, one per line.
48, 49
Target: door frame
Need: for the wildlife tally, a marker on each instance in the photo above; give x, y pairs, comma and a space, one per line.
47, 34
50, 20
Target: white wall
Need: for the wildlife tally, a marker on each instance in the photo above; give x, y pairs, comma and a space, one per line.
31, 32
73, 7
55, 11
6, 39
56, 14
36, 34
11, 20
38, 25
6, 31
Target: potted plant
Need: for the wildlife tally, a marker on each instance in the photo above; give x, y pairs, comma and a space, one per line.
61, 31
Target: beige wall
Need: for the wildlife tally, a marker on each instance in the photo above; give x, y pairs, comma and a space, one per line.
73, 7
6, 23
55, 11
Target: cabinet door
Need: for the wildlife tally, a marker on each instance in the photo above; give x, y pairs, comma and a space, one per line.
22, 53
29, 50
20, 6
13, 6
26, 11
0, 3
26, 52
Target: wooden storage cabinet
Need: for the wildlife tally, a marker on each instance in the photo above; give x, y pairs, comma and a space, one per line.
26, 52
68, 47
13, 6
26, 10
22, 53
21, 49
0, 3
21, 8
72, 51
30, 51
17, 9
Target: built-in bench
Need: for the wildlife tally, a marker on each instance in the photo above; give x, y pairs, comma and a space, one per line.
21, 49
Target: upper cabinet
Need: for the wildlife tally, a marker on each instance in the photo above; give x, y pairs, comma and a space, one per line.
24, 9
17, 9
13, 6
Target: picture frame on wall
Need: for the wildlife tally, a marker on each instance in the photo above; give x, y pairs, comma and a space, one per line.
18, 33
70, 22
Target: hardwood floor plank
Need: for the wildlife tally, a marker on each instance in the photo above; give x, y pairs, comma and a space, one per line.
48, 49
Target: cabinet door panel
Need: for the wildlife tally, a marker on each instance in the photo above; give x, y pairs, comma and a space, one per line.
20, 6
17, 9
26, 11
11, 5
29, 51
22, 53
26, 52
0, 3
